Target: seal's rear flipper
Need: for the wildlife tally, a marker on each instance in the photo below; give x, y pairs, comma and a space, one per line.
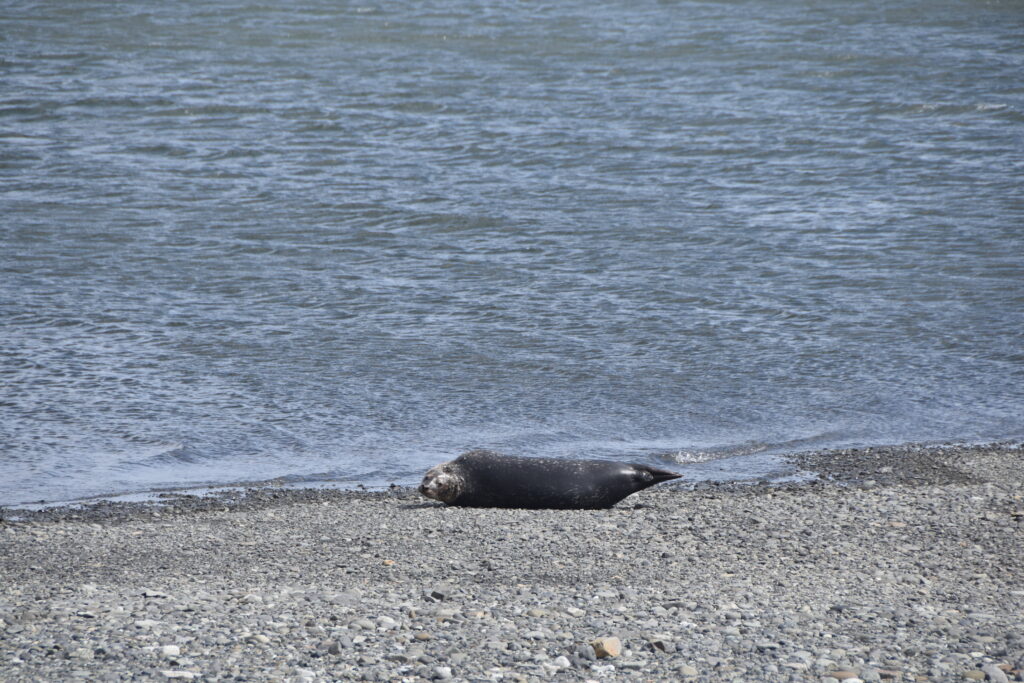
656, 476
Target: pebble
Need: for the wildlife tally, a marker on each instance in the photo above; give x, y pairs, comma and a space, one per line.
386, 623
994, 673
438, 593
608, 646
663, 642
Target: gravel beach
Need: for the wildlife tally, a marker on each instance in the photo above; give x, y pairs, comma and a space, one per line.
902, 563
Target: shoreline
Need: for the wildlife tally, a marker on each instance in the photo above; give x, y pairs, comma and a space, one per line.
898, 563
916, 464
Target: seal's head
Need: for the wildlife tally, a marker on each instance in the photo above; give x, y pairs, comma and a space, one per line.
442, 483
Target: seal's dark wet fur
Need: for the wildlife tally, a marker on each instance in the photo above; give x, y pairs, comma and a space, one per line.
487, 479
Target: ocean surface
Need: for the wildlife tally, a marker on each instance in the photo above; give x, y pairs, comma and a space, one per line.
340, 242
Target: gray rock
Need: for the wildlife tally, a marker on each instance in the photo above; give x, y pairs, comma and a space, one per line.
438, 593
994, 673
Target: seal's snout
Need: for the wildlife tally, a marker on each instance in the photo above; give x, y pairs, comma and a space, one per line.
427, 488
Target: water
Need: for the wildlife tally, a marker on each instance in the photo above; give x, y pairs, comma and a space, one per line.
342, 241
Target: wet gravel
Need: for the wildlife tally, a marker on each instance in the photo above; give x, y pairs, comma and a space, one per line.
887, 564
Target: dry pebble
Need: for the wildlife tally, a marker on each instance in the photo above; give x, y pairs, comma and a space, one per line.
607, 647
914, 576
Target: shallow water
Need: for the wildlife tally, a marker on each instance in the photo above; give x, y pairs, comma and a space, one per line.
345, 242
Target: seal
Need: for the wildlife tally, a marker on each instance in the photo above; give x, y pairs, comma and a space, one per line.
483, 478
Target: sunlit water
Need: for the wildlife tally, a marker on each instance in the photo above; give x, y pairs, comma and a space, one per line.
337, 241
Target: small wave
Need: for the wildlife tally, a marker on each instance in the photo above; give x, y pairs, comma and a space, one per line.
15, 139
748, 448
162, 454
